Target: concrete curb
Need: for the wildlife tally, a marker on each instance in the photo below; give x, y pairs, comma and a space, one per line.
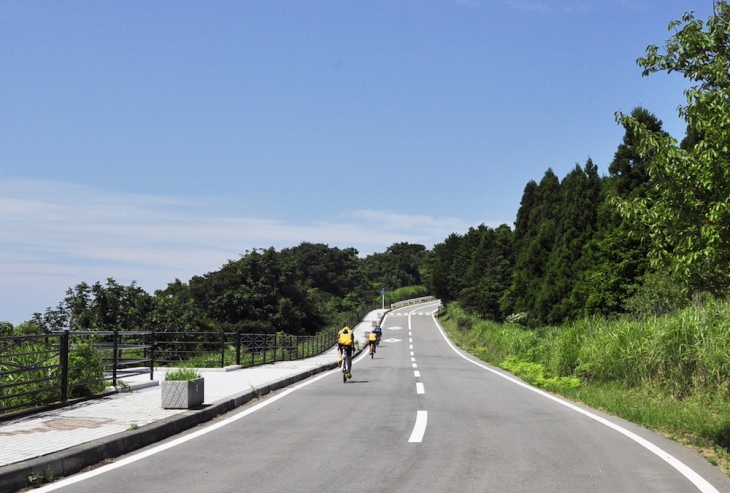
72, 460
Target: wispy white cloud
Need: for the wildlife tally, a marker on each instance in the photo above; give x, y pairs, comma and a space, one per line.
56, 235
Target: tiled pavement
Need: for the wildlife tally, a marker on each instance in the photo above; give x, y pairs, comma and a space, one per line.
57, 430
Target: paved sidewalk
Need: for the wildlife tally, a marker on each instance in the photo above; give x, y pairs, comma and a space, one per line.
65, 440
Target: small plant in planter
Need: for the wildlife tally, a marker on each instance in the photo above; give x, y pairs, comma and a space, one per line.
182, 388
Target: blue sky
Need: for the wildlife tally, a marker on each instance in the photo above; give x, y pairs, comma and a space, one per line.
150, 141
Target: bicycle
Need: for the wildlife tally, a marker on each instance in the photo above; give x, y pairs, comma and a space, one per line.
346, 365
372, 349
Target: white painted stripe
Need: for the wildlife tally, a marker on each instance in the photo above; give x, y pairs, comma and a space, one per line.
160, 448
411, 353
419, 428
411, 346
413, 359
410, 339
416, 373
419, 388
701, 483
415, 365
410, 333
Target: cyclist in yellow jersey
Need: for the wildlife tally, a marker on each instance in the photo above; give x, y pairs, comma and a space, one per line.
372, 340
345, 340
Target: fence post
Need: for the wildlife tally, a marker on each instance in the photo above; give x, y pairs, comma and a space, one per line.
115, 345
152, 355
238, 347
63, 356
223, 348
275, 345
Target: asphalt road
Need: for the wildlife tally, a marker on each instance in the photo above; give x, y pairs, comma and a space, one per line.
418, 417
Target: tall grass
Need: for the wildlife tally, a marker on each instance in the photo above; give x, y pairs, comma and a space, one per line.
670, 373
684, 353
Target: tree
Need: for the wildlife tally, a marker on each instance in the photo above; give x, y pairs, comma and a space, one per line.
558, 298
438, 267
617, 255
688, 214
328, 269
99, 307
533, 244
397, 267
262, 287
489, 272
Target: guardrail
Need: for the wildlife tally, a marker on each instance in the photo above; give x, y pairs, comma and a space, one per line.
411, 302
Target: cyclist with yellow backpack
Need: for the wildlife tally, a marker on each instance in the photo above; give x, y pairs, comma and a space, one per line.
372, 342
345, 341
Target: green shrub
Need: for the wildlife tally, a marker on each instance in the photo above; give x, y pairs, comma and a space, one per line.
182, 374
535, 374
85, 370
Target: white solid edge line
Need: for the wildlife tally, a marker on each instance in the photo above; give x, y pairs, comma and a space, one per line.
419, 428
701, 483
160, 448
419, 388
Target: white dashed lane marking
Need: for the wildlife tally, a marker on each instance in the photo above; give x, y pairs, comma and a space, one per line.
419, 428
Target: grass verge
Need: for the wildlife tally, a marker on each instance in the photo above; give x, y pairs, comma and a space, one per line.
700, 421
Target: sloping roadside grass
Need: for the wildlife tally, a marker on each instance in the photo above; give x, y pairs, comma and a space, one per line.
669, 374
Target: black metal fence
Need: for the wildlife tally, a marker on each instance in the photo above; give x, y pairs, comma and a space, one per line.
39, 370
36, 370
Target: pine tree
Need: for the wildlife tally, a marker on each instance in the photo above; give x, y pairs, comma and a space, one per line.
618, 253
558, 298
535, 243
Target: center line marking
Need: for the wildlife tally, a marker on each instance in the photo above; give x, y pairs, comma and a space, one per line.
411, 346
411, 353
419, 428
413, 359
419, 388
415, 365
416, 373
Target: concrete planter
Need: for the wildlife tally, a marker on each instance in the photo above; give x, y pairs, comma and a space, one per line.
182, 394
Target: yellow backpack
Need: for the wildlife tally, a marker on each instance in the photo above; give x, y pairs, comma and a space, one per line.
373, 337
345, 338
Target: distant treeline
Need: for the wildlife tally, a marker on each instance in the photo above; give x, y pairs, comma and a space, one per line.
299, 290
647, 238
571, 253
